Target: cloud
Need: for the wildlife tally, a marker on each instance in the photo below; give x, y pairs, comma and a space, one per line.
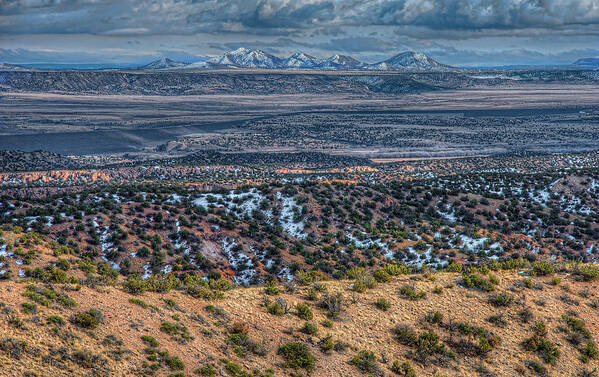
477, 14
127, 31
368, 29
358, 44
283, 16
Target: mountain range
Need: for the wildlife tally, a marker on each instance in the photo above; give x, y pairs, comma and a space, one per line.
253, 58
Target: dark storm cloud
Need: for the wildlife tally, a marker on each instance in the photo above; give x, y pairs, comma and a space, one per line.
281, 16
164, 16
477, 14
293, 14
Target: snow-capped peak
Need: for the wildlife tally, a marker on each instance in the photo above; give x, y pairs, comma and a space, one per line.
249, 58
252, 58
301, 60
343, 59
163, 63
342, 62
411, 60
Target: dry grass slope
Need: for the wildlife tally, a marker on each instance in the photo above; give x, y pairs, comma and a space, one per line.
522, 323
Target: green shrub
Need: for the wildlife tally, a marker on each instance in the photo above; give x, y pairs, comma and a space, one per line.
383, 304
134, 285
545, 348
304, 311
577, 326
55, 320
313, 294
235, 370
306, 278
162, 283
196, 287
309, 328
206, 371
87, 359
15, 348
220, 284
176, 330
363, 282
326, 344
396, 270
454, 267
403, 369
498, 320
589, 351
411, 293
365, 361
540, 328
473, 280
428, 343
332, 303
150, 341
435, 317
536, 367
173, 362
271, 288
275, 308
45, 296
501, 299
89, 319
406, 335
29, 308
587, 272
297, 355
138, 302
542, 268
382, 276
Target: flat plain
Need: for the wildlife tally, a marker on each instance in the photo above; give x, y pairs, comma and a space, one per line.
468, 121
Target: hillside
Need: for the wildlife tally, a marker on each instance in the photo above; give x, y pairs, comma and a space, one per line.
14, 160
253, 234
219, 82
67, 315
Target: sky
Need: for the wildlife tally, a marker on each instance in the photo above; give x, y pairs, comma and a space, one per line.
456, 32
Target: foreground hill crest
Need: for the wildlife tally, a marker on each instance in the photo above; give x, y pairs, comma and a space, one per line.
68, 315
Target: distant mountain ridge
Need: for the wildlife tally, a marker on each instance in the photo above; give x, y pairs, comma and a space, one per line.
588, 63
12, 67
254, 58
163, 63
